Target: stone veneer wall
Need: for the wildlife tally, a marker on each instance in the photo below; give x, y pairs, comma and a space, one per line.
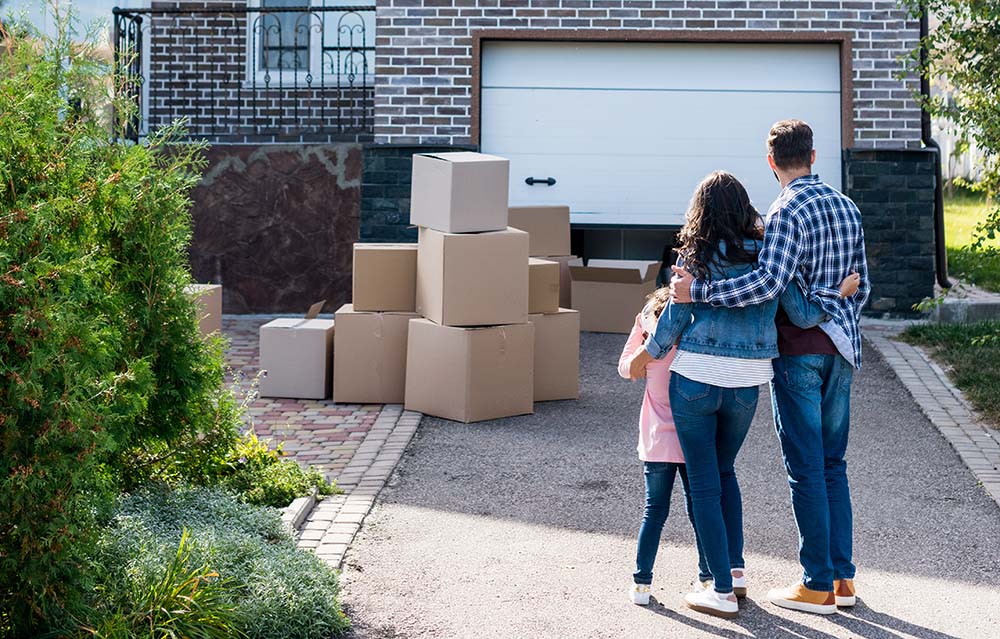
276, 224
895, 192
423, 84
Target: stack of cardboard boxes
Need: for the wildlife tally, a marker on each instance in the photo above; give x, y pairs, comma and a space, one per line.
462, 325
557, 327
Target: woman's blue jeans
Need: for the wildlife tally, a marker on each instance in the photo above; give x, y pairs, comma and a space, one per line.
712, 423
659, 478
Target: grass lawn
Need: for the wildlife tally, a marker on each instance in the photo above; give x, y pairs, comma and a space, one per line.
962, 212
974, 368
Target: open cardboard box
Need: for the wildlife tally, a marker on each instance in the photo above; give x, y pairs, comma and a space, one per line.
461, 192
295, 353
608, 293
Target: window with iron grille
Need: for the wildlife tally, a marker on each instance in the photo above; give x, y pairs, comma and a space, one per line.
313, 43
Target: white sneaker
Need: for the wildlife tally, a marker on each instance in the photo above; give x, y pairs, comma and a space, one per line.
639, 594
740, 582
713, 603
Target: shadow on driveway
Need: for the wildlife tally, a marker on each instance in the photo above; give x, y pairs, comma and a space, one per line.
525, 527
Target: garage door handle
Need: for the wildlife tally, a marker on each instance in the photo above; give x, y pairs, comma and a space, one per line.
531, 181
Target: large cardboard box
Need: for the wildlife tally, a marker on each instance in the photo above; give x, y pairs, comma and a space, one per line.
565, 280
547, 227
469, 374
543, 286
208, 297
473, 279
295, 352
557, 355
385, 277
608, 293
369, 356
460, 192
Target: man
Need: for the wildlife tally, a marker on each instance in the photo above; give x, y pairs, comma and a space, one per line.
812, 235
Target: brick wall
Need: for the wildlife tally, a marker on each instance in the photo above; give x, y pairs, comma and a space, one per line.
895, 192
198, 69
423, 81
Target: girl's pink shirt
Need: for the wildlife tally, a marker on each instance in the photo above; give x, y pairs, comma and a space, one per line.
657, 435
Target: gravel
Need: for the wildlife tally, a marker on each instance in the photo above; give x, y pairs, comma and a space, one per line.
525, 527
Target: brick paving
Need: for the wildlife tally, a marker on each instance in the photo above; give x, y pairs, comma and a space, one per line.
356, 445
943, 404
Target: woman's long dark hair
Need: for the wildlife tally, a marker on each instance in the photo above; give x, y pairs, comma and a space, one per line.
720, 211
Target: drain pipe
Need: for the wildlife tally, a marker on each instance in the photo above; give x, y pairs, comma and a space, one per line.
940, 250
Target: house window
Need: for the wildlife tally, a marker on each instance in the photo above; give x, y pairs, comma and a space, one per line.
316, 46
284, 36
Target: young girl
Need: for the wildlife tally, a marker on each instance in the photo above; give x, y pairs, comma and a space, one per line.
658, 449
719, 357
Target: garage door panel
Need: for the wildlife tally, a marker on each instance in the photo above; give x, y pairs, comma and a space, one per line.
574, 122
680, 66
625, 155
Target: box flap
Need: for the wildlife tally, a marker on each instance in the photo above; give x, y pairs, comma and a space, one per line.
385, 246
315, 309
623, 271
464, 156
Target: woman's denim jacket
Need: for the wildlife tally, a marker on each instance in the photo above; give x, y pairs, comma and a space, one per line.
747, 333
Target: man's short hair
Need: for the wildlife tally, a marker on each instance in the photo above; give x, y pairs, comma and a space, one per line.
790, 143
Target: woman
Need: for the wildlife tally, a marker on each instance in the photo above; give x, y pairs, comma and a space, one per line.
723, 355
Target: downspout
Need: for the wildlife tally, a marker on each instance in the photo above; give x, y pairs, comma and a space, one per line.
940, 250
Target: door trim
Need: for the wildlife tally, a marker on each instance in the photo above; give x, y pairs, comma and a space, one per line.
842, 38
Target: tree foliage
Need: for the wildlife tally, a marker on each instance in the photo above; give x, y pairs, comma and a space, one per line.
963, 59
100, 353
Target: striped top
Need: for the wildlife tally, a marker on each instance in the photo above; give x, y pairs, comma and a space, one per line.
725, 372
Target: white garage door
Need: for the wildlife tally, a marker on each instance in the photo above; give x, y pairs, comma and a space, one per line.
627, 130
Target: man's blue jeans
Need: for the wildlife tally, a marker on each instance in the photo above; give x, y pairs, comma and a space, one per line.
712, 423
811, 397
659, 478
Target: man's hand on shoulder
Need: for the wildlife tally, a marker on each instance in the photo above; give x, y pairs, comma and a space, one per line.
680, 285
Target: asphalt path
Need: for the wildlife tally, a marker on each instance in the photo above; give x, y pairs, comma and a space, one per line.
525, 527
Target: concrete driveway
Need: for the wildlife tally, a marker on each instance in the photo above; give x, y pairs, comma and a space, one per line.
526, 527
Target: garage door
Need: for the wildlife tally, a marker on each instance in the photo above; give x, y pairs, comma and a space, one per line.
627, 130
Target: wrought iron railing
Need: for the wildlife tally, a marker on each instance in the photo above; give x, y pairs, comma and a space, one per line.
248, 73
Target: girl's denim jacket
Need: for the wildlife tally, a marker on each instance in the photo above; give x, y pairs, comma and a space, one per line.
746, 333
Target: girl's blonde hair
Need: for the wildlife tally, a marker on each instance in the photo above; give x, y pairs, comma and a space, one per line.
658, 300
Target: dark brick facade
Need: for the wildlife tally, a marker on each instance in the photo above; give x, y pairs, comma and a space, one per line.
895, 192
276, 225
385, 191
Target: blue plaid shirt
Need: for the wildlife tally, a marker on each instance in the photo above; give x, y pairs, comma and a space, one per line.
812, 233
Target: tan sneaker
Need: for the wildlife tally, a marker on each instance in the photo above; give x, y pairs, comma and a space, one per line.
843, 590
800, 598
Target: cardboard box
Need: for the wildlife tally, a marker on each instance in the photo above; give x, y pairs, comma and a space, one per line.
473, 279
557, 355
459, 192
547, 228
608, 293
208, 297
369, 356
469, 374
295, 352
385, 277
543, 286
565, 281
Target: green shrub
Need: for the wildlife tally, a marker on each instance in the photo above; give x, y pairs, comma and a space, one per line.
259, 474
276, 590
104, 378
178, 600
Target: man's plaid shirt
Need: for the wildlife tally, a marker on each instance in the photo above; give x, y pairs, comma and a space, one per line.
812, 233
